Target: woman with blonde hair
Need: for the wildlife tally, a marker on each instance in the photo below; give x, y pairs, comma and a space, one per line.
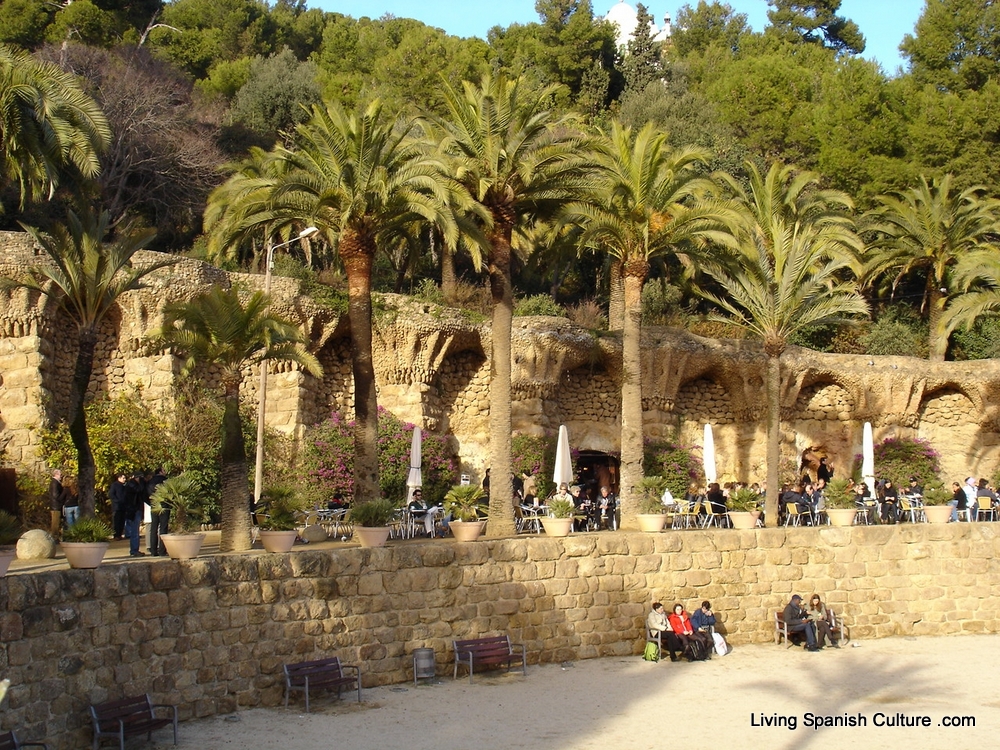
818, 614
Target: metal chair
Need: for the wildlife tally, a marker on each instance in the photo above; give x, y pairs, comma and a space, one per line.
987, 513
792, 515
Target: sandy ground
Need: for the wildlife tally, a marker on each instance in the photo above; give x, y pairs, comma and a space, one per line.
631, 704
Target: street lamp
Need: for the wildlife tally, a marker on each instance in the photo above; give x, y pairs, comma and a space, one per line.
258, 474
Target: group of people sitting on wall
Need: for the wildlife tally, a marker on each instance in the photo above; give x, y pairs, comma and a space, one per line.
692, 636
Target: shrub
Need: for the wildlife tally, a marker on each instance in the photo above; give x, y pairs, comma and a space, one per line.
588, 314
679, 466
428, 291
660, 301
899, 458
535, 456
538, 304
897, 331
329, 459
981, 341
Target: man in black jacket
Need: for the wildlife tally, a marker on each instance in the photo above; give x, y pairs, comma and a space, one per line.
134, 507
798, 621
117, 494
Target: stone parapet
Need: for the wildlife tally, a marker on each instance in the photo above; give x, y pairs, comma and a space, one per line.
211, 634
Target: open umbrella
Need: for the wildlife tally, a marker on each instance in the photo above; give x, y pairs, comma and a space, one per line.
868, 457
564, 463
414, 479
709, 455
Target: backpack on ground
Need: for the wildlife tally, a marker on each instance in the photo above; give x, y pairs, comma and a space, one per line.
652, 652
696, 650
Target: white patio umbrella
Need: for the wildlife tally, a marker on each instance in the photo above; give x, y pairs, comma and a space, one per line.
868, 458
414, 479
564, 463
709, 455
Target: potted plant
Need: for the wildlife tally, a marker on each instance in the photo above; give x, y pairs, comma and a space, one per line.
744, 508
371, 521
559, 521
177, 496
278, 527
465, 504
840, 503
936, 505
652, 514
86, 542
10, 532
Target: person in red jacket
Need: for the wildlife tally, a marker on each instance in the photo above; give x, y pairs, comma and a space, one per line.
680, 623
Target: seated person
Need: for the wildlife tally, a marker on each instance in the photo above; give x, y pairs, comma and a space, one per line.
890, 502
817, 613
680, 623
797, 621
420, 511
607, 505
657, 622
703, 621
716, 498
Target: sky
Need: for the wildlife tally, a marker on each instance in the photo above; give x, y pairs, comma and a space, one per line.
883, 22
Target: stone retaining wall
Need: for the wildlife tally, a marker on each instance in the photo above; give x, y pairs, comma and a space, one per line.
212, 634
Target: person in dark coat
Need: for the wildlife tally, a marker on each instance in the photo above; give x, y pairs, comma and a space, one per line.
57, 496
117, 494
797, 620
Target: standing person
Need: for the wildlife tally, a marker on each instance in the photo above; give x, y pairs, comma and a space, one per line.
797, 621
657, 622
817, 613
825, 470
135, 501
158, 522
57, 495
117, 494
486, 481
71, 501
972, 497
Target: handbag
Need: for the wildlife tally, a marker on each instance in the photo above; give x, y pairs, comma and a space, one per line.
721, 647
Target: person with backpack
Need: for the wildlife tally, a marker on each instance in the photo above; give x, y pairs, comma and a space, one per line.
657, 622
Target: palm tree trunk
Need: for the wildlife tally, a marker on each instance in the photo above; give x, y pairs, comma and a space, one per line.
773, 389
937, 346
449, 281
616, 297
631, 435
358, 266
87, 343
235, 487
501, 511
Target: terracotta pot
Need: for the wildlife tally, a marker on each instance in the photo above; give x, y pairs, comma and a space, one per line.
741, 519
652, 521
557, 526
466, 531
937, 513
841, 516
183, 546
372, 536
84, 554
277, 541
6, 558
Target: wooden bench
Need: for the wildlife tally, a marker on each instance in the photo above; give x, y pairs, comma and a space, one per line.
9, 741
492, 651
320, 674
838, 630
128, 717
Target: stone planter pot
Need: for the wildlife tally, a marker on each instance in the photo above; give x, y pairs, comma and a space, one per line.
84, 554
841, 516
277, 541
372, 536
183, 546
466, 531
652, 521
557, 526
937, 513
741, 519
6, 558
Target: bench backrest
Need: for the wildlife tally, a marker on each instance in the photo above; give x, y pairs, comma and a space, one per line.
327, 665
139, 706
7, 741
498, 645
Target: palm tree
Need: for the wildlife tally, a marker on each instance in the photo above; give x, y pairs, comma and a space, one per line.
649, 201
86, 278
977, 279
789, 247
216, 328
927, 229
363, 180
520, 164
48, 126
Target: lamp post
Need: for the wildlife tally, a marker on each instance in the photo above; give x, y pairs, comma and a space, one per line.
258, 474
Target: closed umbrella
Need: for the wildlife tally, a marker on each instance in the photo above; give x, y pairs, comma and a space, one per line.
414, 479
563, 473
709, 455
868, 457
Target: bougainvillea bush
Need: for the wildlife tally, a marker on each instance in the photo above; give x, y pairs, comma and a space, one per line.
535, 455
678, 465
899, 458
329, 458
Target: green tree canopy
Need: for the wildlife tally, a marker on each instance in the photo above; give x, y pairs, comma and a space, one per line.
815, 21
